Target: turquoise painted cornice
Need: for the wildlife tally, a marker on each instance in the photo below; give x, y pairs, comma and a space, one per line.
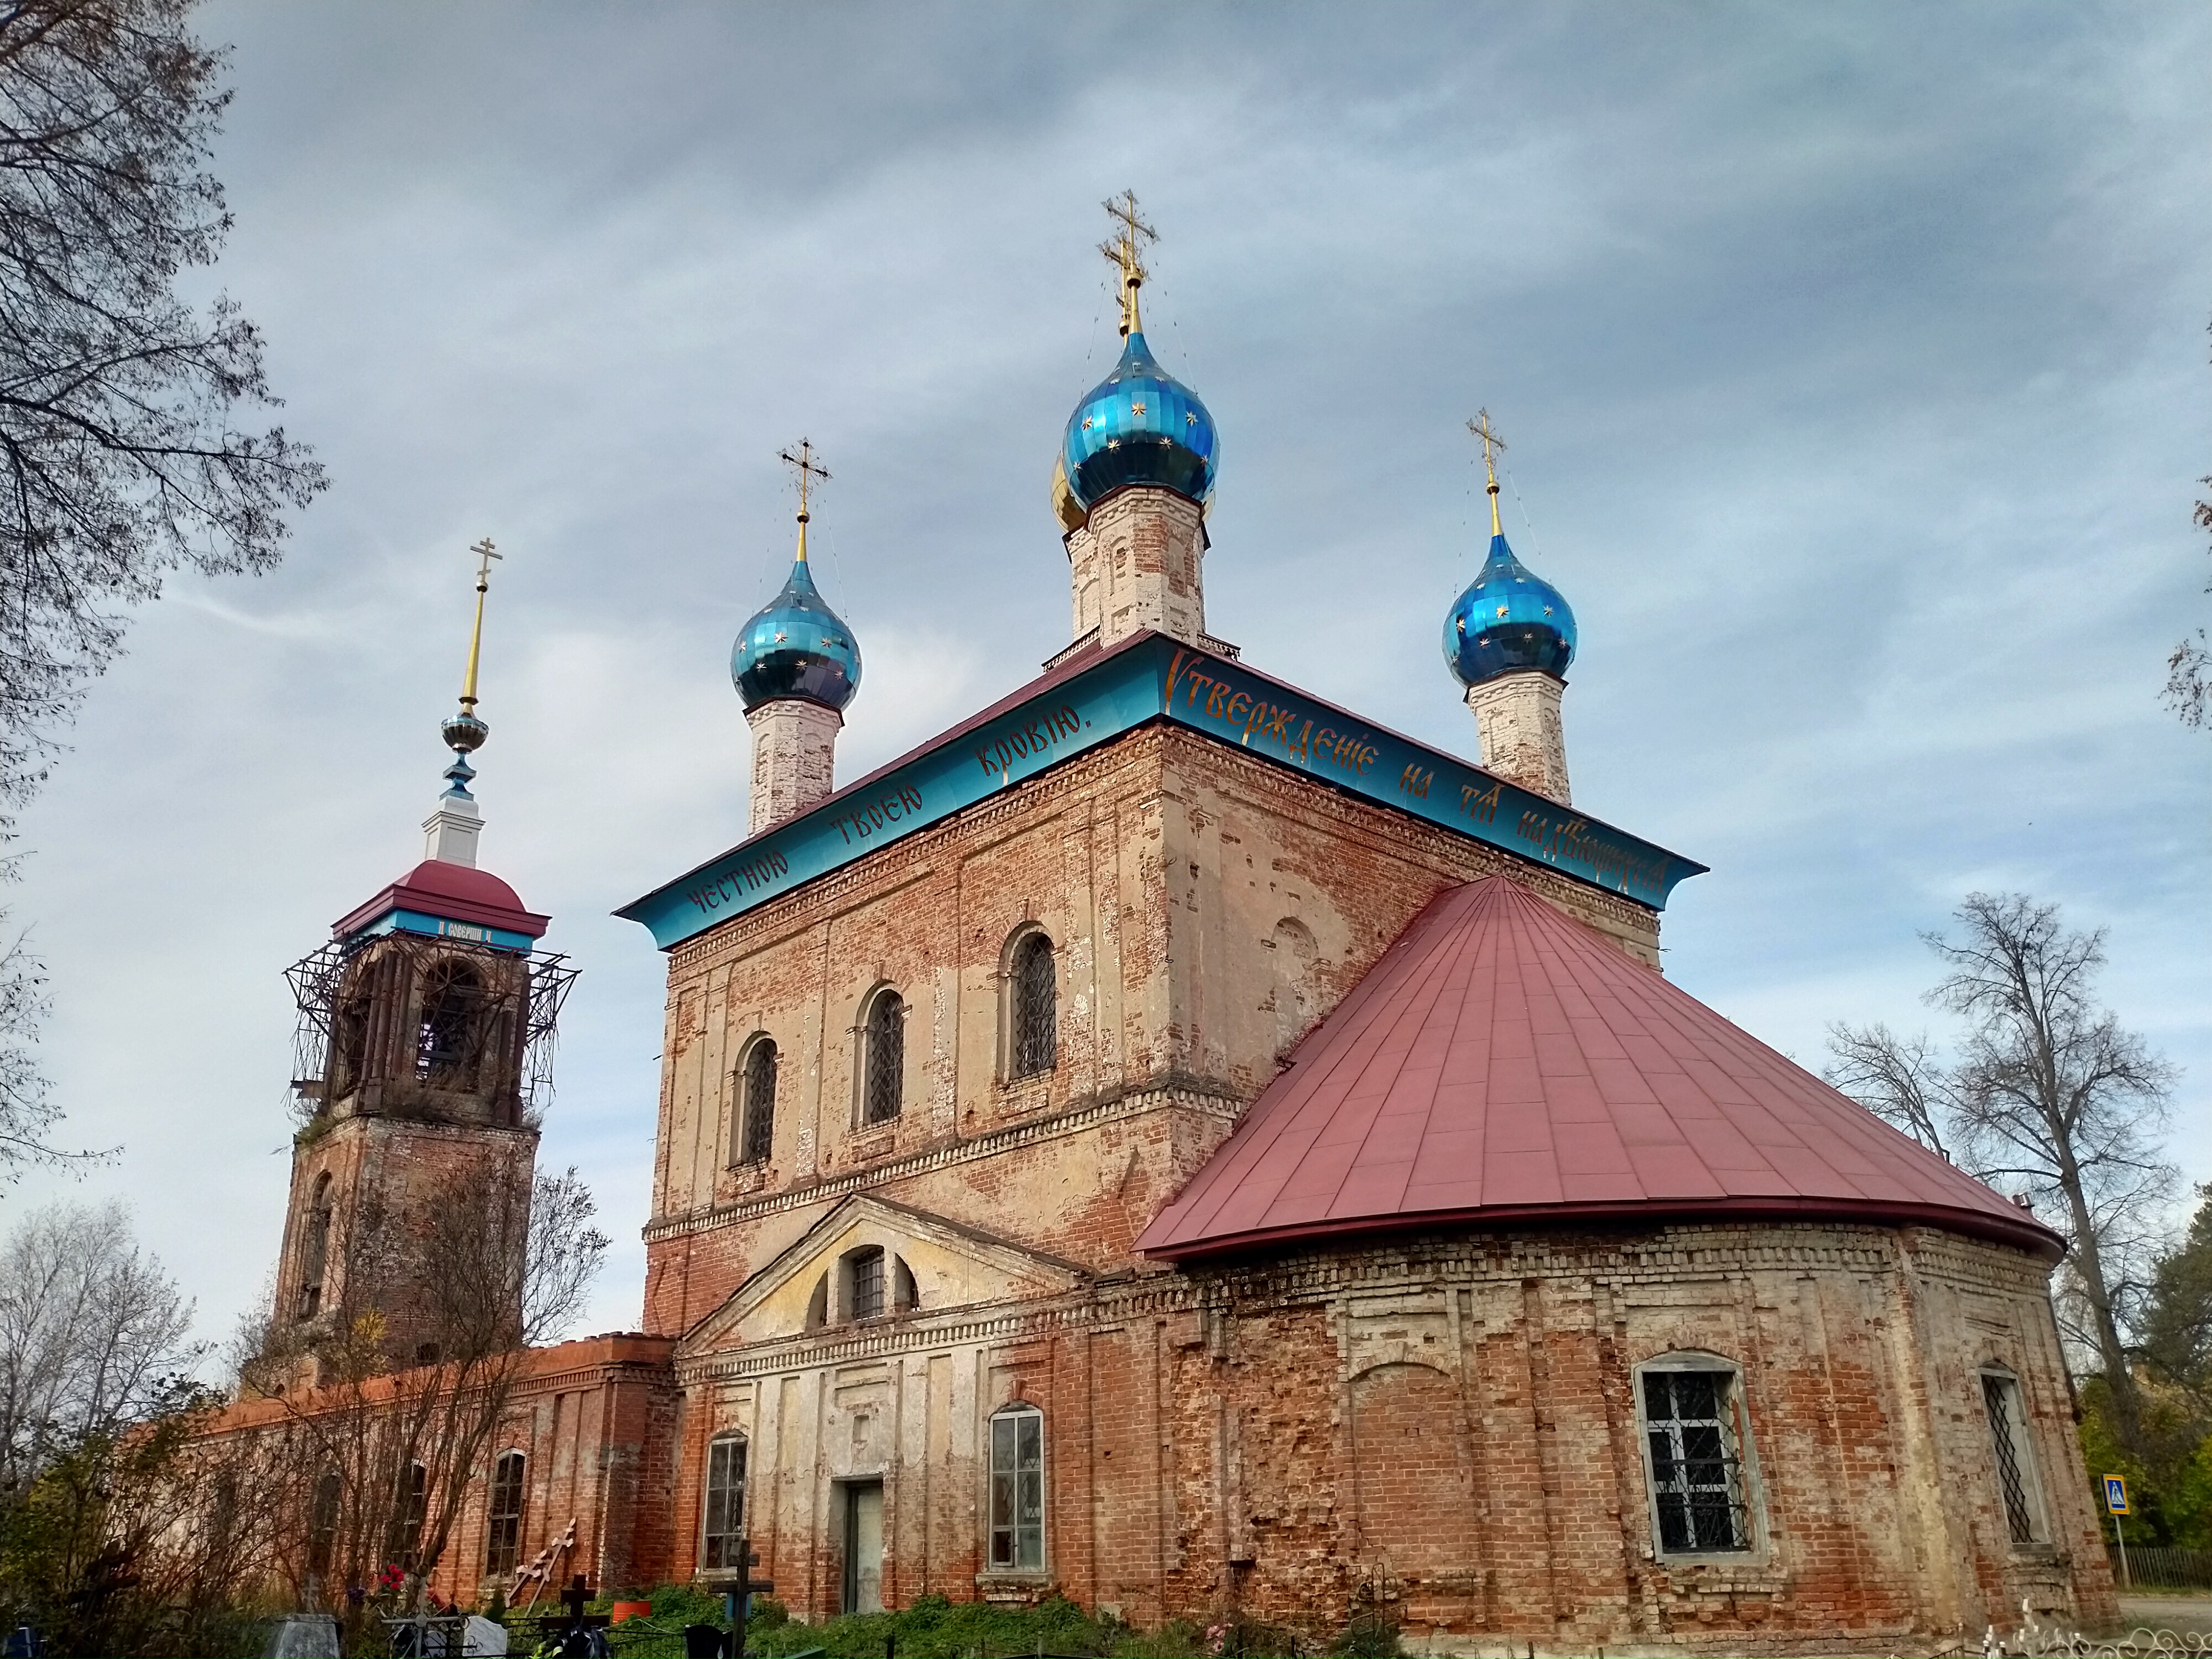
1096, 698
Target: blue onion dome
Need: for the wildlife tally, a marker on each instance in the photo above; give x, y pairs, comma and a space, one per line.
1139, 425
796, 646
1510, 620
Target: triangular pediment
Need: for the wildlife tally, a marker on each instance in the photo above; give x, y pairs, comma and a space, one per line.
946, 1263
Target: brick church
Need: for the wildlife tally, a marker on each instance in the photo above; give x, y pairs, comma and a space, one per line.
1172, 1142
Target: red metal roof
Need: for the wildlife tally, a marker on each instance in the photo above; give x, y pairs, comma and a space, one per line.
457, 892
1503, 1064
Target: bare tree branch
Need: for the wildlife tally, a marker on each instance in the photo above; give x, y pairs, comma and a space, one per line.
1893, 1077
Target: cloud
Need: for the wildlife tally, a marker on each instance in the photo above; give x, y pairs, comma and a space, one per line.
1852, 361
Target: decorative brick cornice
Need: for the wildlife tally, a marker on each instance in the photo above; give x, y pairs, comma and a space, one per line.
1190, 1097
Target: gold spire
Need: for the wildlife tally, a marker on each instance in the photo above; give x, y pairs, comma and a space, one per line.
1124, 249
1481, 427
806, 467
485, 553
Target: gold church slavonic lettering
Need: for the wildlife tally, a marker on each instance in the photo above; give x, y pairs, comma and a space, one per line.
1037, 736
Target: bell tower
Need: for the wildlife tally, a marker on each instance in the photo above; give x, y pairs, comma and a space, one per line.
425, 1033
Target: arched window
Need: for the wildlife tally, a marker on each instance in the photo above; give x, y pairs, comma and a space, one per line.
323, 1525
1017, 1490
349, 1045
755, 1132
444, 1036
817, 1305
864, 1283
904, 1297
884, 1064
411, 1504
315, 1248
1032, 1008
503, 1541
722, 1535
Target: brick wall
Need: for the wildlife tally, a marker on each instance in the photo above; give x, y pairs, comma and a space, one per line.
1206, 907
1446, 1429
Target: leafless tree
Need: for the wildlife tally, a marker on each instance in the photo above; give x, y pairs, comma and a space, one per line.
120, 455
1898, 1078
2189, 668
27, 1112
115, 1537
93, 1337
2046, 1095
382, 1450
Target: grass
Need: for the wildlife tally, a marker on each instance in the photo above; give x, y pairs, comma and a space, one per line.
936, 1628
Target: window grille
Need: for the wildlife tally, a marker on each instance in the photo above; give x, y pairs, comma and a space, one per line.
1017, 1490
323, 1525
1697, 1470
758, 1129
867, 1270
1034, 999
2001, 1397
721, 1539
886, 1057
402, 1534
450, 996
503, 1545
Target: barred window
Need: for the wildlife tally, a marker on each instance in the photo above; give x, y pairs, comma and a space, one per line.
757, 1104
2015, 1474
864, 1284
884, 1042
722, 1537
1033, 1005
1017, 1490
322, 1524
402, 1532
1698, 1491
503, 1544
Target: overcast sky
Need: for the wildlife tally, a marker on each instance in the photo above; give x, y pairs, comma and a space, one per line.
1852, 358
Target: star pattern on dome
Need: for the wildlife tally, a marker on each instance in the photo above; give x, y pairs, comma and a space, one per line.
1525, 622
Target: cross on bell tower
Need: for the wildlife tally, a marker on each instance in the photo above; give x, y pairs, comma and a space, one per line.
425, 1024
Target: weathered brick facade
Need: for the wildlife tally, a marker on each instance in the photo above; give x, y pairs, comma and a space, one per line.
1446, 1427
1446, 1424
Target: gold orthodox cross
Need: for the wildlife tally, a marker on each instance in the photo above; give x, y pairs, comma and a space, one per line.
1125, 250
806, 467
485, 553
1481, 427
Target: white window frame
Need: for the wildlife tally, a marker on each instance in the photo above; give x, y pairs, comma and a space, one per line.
723, 1443
1743, 1450
2022, 1445
493, 1518
1013, 1413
